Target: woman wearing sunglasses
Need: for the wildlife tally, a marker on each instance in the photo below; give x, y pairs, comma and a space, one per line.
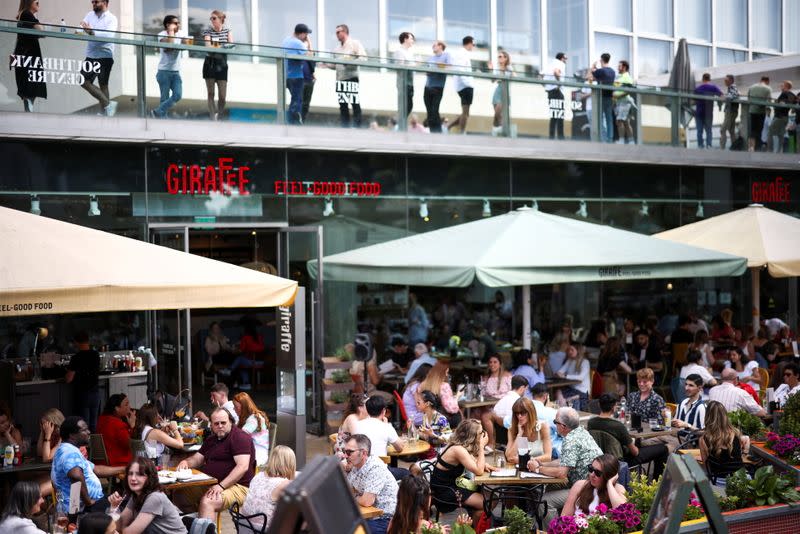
215, 66
600, 487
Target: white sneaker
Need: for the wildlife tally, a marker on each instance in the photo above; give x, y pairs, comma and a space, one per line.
111, 108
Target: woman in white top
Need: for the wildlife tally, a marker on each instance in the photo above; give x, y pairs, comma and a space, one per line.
576, 367
23, 503
267, 486
255, 422
155, 439
524, 424
600, 487
747, 369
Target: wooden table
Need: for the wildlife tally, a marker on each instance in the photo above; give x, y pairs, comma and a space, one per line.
468, 405
411, 448
647, 433
488, 480
179, 485
9, 474
556, 383
370, 512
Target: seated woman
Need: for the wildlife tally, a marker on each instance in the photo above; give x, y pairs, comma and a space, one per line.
24, 502
255, 422
49, 438
600, 487
722, 445
575, 367
746, 368
116, 424
526, 364
433, 424
267, 486
464, 452
9, 434
97, 523
437, 381
252, 347
413, 506
218, 347
149, 509
155, 439
494, 385
524, 424
611, 364
356, 411
410, 394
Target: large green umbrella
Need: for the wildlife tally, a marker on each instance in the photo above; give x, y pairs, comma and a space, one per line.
523, 248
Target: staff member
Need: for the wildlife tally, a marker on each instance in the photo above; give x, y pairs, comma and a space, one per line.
83, 372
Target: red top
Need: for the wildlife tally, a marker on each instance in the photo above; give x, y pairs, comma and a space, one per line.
218, 455
117, 438
251, 347
749, 389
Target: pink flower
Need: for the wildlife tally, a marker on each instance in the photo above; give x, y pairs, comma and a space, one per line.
601, 509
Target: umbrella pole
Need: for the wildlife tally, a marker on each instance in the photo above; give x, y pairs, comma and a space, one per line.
526, 317
755, 290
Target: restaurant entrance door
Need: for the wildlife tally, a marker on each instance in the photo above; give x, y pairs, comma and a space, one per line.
177, 337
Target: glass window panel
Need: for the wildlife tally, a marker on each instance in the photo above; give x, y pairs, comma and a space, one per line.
467, 17
363, 23
237, 17
792, 37
694, 19
698, 56
415, 16
726, 56
567, 32
731, 19
149, 14
277, 19
767, 28
654, 16
519, 28
556, 179
618, 46
762, 55
655, 57
613, 13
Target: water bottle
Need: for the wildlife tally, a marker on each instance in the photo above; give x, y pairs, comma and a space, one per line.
623, 409
63, 26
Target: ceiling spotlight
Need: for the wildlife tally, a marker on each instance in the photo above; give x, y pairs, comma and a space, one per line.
423, 210
700, 212
582, 211
644, 211
35, 209
535, 205
94, 206
487, 208
669, 286
328, 211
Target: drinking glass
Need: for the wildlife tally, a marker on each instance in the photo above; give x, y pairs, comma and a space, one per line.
62, 522
500, 460
653, 423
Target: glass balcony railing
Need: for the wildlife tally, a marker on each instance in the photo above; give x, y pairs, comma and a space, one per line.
192, 79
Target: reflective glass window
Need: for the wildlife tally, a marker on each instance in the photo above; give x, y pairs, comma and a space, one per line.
237, 17
619, 46
148, 15
363, 23
654, 16
767, 28
415, 16
613, 13
519, 27
792, 37
726, 56
694, 19
466, 17
654, 57
731, 19
567, 32
699, 56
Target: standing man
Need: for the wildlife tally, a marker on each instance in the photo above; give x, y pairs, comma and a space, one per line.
758, 112
295, 45
464, 84
555, 98
605, 75
406, 57
731, 111
100, 23
309, 78
347, 76
418, 323
704, 110
228, 455
169, 66
624, 102
371, 481
434, 86
83, 372
780, 118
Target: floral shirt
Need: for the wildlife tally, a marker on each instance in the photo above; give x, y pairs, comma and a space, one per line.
496, 387
374, 477
650, 408
577, 453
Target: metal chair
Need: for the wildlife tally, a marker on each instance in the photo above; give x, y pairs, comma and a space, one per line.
506, 497
427, 468
244, 523
273, 436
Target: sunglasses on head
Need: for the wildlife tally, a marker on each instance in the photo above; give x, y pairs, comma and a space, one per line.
597, 472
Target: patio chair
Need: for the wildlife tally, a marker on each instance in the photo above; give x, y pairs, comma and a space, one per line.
97, 449
273, 436
244, 523
138, 448
528, 499
400, 406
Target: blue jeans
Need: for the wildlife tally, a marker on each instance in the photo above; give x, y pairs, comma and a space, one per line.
168, 81
704, 123
379, 524
295, 86
607, 120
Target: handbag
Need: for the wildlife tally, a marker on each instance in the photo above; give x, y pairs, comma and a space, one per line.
464, 482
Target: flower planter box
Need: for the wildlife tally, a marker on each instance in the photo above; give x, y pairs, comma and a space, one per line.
331, 406
330, 385
777, 519
762, 451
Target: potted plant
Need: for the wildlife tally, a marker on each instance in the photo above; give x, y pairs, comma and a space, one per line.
343, 355
517, 521
340, 376
790, 421
748, 424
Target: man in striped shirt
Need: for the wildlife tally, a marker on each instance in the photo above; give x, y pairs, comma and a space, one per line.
692, 411
732, 397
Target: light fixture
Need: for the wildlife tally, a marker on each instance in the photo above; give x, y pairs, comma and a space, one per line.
35, 209
644, 211
582, 211
328, 211
700, 212
669, 286
94, 206
423, 210
535, 205
487, 208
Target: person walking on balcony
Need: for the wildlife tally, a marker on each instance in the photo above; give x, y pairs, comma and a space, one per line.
555, 98
605, 75
704, 110
215, 66
464, 84
30, 80
99, 22
758, 112
780, 118
731, 112
347, 85
434, 85
295, 45
623, 102
169, 66
405, 56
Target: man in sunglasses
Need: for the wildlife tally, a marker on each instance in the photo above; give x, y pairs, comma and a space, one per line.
791, 383
371, 481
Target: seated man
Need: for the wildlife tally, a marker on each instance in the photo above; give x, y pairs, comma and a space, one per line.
694, 367
632, 454
371, 481
791, 383
70, 466
691, 414
219, 398
228, 455
577, 453
421, 357
733, 398
377, 428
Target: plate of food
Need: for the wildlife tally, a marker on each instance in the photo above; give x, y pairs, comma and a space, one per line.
166, 477
183, 474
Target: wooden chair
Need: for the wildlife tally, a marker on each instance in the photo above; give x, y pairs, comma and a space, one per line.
764, 374
138, 448
97, 449
273, 436
672, 408
332, 440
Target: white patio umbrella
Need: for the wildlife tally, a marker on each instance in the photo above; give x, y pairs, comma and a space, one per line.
765, 237
522, 248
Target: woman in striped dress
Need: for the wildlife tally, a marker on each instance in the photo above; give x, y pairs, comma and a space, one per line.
215, 67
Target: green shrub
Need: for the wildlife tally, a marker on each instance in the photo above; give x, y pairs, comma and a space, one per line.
765, 488
343, 355
642, 492
790, 422
517, 521
339, 397
340, 376
749, 424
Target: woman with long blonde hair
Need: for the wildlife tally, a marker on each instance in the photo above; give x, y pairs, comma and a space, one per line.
49, 438
722, 445
524, 424
503, 68
267, 486
255, 422
437, 382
